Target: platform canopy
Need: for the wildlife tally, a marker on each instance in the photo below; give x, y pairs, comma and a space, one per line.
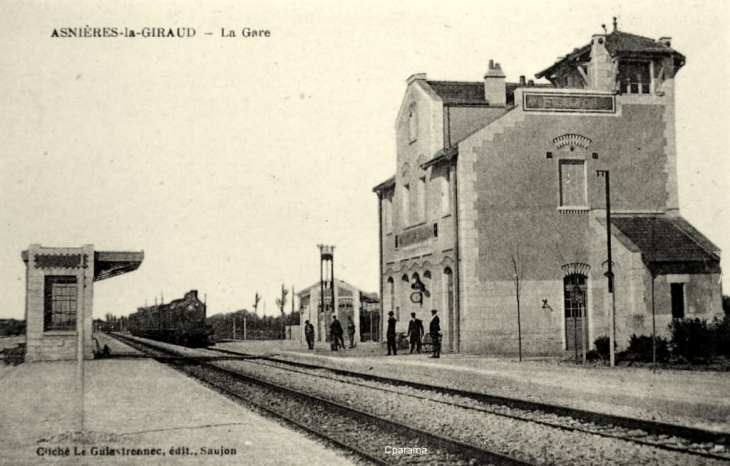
108, 264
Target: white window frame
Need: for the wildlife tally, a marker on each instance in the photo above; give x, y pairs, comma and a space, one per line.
446, 192
561, 205
412, 123
406, 204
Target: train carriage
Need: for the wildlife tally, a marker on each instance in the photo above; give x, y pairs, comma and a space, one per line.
181, 322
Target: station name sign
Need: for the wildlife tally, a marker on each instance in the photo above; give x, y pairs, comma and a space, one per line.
416, 235
569, 103
61, 261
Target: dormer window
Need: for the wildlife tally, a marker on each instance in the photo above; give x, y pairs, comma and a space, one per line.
412, 123
634, 77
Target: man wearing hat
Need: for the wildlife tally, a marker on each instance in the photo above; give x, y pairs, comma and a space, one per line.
390, 334
336, 333
309, 334
415, 332
435, 331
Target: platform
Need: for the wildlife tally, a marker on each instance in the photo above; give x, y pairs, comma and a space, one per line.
691, 398
136, 403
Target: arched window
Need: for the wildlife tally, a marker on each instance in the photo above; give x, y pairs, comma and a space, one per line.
412, 123
448, 291
575, 291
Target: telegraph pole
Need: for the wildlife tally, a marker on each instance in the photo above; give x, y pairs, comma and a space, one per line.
609, 274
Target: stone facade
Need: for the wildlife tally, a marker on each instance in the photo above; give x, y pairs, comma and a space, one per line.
59, 298
350, 303
517, 201
43, 265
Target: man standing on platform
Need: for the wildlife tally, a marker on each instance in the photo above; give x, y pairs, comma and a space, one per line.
309, 334
390, 334
336, 332
415, 332
435, 331
351, 331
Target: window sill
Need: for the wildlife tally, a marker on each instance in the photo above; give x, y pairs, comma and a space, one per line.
60, 333
415, 226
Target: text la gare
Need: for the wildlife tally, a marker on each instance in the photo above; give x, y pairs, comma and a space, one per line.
246, 32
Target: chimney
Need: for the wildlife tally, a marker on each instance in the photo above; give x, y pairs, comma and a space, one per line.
522, 81
495, 88
416, 77
600, 72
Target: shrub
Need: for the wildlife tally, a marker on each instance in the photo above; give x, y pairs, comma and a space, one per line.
720, 336
12, 327
592, 355
15, 356
691, 339
641, 348
726, 305
603, 347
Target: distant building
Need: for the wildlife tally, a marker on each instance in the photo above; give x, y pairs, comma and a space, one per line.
59, 297
364, 308
498, 180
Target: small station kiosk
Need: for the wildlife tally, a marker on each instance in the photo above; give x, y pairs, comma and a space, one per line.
59, 297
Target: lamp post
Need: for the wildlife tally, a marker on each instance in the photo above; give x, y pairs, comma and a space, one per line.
519, 324
609, 274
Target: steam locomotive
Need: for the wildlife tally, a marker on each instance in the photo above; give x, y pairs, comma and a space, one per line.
181, 322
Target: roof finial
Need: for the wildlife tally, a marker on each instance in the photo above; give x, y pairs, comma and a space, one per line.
605, 31
615, 24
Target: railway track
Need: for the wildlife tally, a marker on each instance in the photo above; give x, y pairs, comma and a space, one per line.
673, 438
362, 434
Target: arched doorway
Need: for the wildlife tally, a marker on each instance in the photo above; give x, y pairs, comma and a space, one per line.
574, 301
404, 295
450, 311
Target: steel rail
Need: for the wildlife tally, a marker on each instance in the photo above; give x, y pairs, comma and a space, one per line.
319, 434
455, 446
607, 420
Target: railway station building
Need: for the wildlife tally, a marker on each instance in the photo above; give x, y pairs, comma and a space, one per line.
315, 305
59, 297
497, 189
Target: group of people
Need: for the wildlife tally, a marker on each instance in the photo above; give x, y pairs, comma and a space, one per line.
415, 334
336, 333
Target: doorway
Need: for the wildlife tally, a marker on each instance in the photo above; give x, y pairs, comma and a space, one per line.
574, 292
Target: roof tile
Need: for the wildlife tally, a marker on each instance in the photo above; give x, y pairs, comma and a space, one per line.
662, 239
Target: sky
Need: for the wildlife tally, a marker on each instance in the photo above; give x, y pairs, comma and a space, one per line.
228, 160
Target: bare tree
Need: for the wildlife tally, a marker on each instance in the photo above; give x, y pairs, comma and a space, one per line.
515, 263
281, 302
256, 300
